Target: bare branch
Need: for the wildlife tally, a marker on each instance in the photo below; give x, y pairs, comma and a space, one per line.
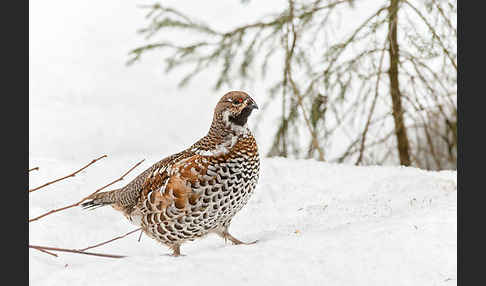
446, 19
370, 114
342, 46
42, 250
45, 248
34, 169
70, 175
296, 92
433, 32
88, 197
108, 241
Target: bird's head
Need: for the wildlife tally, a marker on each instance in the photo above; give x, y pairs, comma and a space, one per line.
234, 108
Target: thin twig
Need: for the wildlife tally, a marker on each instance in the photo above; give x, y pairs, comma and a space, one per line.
288, 75
373, 104
140, 236
88, 197
74, 251
441, 12
434, 33
70, 175
108, 241
34, 169
43, 250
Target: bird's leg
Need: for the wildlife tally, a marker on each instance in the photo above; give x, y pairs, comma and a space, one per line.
226, 235
176, 250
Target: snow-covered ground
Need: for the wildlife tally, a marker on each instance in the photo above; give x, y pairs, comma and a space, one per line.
317, 224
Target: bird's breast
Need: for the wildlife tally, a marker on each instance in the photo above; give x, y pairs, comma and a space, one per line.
200, 193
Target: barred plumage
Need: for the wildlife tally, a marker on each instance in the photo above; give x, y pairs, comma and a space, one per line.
199, 190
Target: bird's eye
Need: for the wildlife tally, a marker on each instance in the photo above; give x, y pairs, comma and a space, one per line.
238, 101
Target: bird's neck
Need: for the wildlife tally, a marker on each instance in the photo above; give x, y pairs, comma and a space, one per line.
221, 137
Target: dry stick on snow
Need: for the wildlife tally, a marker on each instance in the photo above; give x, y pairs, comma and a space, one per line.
45, 248
34, 169
42, 250
78, 203
140, 236
65, 177
108, 241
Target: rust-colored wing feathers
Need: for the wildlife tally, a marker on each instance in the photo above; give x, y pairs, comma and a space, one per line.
171, 184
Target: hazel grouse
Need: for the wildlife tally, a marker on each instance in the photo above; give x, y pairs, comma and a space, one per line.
197, 191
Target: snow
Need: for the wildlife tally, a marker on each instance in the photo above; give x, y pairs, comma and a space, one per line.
316, 224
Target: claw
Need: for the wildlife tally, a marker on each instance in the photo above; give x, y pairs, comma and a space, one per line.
234, 240
245, 243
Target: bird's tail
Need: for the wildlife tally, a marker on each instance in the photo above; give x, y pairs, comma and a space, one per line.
101, 199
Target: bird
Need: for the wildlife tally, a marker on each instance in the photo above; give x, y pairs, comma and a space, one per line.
199, 190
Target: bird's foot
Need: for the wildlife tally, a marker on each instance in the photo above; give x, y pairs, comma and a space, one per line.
245, 243
173, 255
234, 240
176, 250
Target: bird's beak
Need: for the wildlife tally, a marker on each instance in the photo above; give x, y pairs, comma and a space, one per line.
252, 105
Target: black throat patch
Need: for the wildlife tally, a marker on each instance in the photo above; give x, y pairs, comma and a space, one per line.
241, 118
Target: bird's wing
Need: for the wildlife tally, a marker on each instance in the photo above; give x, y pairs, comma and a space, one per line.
129, 195
172, 188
